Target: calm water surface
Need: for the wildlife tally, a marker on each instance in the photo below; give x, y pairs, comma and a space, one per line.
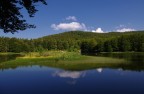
46, 80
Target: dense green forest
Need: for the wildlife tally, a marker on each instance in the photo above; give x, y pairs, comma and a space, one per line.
87, 42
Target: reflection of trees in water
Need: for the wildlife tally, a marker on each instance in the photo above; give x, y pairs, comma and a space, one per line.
132, 62
4, 58
131, 57
135, 61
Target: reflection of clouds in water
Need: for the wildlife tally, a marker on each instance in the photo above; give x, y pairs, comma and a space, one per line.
120, 69
72, 82
69, 74
99, 70
121, 72
74, 75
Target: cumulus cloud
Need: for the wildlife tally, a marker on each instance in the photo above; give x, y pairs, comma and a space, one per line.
98, 30
72, 18
69, 26
125, 30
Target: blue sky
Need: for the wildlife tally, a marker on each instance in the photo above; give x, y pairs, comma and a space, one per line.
88, 15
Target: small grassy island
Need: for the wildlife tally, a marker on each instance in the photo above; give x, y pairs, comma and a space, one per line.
65, 60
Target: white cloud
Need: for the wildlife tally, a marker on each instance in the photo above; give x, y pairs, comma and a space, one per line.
69, 26
125, 30
120, 26
98, 30
72, 18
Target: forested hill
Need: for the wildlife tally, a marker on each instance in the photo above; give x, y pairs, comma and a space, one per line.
76, 40
81, 35
91, 42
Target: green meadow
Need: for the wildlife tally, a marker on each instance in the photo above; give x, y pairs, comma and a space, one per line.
63, 59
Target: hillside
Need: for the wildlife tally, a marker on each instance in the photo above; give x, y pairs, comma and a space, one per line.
73, 40
81, 35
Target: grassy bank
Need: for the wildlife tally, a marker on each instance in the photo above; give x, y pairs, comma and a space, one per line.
10, 53
53, 55
63, 59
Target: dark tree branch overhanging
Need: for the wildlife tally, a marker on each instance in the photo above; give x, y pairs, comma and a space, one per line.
11, 19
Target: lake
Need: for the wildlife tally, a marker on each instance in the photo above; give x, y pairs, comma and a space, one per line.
37, 79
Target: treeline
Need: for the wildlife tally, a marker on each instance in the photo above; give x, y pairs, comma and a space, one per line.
16, 45
87, 42
124, 43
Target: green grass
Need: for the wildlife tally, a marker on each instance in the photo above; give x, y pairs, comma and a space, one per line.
8, 53
63, 59
58, 55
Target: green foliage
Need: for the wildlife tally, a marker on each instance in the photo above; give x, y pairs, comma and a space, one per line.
132, 41
4, 45
108, 46
11, 18
64, 60
87, 42
142, 47
114, 44
87, 47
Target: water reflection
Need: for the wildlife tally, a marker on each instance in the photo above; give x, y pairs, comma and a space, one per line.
43, 79
7, 57
132, 62
132, 57
99, 70
73, 76
27, 80
70, 74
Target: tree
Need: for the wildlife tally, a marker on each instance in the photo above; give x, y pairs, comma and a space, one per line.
108, 47
87, 47
124, 43
114, 44
99, 47
142, 48
4, 44
11, 19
